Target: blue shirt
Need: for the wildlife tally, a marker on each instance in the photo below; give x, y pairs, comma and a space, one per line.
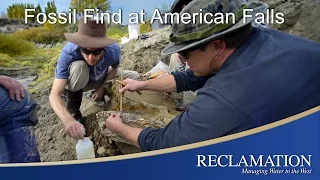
71, 53
271, 77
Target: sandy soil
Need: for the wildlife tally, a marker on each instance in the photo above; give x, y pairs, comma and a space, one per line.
55, 145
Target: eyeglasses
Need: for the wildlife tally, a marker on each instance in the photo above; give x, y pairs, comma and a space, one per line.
94, 52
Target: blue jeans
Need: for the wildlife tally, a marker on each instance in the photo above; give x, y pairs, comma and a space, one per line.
17, 119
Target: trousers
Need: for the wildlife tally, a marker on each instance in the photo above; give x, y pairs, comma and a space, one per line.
17, 120
79, 77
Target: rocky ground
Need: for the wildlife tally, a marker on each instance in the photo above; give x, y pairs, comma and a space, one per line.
151, 108
53, 143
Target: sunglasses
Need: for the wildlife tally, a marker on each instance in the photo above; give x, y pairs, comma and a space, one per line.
185, 53
94, 52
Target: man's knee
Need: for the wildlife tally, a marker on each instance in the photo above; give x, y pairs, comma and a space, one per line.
19, 146
33, 110
16, 114
79, 75
29, 111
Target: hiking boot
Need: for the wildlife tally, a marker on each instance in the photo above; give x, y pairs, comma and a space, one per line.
78, 116
180, 105
89, 94
73, 102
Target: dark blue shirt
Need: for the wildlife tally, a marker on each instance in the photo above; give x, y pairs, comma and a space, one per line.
71, 53
271, 77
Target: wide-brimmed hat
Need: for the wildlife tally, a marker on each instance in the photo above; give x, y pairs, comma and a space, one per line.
177, 5
90, 34
187, 36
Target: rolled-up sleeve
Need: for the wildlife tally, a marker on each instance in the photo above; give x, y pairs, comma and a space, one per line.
187, 81
208, 117
62, 68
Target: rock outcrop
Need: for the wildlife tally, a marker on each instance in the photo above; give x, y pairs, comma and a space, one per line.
142, 55
301, 17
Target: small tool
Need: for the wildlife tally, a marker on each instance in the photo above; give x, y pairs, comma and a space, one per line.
121, 87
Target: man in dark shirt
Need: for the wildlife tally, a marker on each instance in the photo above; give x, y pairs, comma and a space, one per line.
177, 63
246, 77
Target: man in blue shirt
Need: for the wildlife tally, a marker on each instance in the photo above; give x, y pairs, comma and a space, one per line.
246, 77
85, 63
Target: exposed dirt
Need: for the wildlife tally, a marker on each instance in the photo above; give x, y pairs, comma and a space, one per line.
301, 19
55, 145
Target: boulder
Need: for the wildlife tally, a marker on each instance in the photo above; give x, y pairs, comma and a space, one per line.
301, 17
142, 55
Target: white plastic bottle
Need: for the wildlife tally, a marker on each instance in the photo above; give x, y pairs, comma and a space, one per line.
85, 149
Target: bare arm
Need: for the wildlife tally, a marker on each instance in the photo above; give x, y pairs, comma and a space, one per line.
130, 133
165, 83
56, 101
72, 127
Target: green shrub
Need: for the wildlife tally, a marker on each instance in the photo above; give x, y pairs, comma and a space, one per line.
145, 28
48, 67
12, 45
4, 59
26, 63
117, 31
41, 35
72, 28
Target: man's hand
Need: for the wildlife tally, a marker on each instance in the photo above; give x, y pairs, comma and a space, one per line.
15, 88
132, 85
98, 94
74, 129
114, 123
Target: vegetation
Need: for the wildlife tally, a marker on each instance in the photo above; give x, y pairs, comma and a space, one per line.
17, 10
80, 5
145, 28
51, 7
48, 63
41, 35
14, 46
17, 52
117, 31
